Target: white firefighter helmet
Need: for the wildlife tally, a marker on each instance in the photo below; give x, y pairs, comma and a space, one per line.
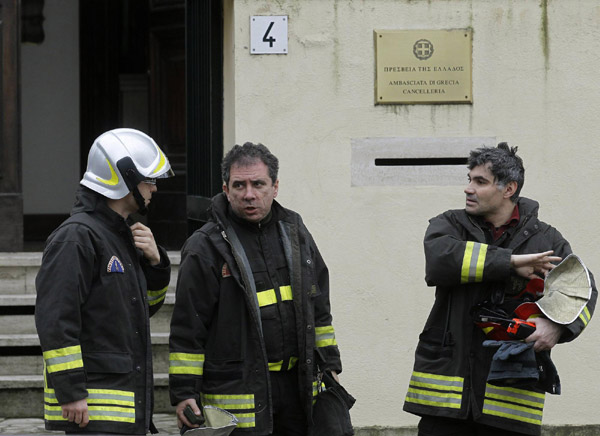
218, 422
567, 289
120, 159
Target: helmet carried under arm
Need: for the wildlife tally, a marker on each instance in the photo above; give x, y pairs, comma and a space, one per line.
122, 158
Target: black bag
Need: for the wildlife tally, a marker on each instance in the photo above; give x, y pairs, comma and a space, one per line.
331, 411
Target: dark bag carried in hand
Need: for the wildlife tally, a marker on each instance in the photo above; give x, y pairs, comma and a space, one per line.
331, 411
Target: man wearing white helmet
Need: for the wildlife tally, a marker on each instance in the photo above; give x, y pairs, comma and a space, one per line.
99, 282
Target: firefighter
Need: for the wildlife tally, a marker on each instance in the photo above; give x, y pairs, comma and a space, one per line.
479, 257
100, 281
252, 314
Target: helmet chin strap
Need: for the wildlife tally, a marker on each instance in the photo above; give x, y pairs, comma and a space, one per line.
132, 177
143, 210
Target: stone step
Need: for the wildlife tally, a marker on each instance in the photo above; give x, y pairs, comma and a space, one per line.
18, 271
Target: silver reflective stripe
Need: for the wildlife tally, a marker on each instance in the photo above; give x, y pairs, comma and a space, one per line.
516, 404
520, 396
101, 412
438, 399
57, 360
246, 420
229, 401
473, 262
155, 297
433, 380
435, 390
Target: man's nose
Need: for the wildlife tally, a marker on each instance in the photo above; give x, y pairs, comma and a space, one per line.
469, 189
249, 193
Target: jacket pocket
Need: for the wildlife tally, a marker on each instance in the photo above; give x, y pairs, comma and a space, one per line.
108, 363
223, 370
435, 344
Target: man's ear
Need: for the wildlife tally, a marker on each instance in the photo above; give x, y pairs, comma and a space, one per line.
510, 189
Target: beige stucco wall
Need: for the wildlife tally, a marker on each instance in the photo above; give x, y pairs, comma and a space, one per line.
535, 69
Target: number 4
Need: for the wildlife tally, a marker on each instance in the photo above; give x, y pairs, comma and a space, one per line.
270, 39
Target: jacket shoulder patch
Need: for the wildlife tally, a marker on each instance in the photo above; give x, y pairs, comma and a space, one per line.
115, 265
225, 272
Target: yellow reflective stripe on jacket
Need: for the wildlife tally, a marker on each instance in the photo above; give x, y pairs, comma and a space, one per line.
186, 363
246, 420
63, 359
95, 413
275, 366
99, 396
111, 396
473, 262
585, 316
155, 297
103, 405
234, 403
278, 366
512, 403
435, 390
325, 336
225, 401
268, 297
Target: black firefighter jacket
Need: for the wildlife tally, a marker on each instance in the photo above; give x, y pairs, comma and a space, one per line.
217, 349
451, 365
95, 293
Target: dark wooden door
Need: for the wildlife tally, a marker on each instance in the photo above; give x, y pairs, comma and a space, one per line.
11, 195
132, 55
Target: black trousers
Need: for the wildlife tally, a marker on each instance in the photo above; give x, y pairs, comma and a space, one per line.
438, 426
289, 418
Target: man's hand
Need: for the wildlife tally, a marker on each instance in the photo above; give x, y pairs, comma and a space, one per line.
76, 412
144, 240
546, 334
181, 419
335, 376
527, 265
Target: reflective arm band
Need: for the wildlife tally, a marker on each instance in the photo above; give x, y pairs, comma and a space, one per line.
155, 297
473, 262
186, 363
325, 336
268, 297
63, 359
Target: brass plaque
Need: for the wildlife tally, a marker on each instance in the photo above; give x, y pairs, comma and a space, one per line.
423, 66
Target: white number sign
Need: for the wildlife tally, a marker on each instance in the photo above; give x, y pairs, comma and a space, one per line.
269, 34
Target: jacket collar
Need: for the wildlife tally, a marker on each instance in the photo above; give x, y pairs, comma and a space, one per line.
221, 212
88, 201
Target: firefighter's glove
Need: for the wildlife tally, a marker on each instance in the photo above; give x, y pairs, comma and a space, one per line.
508, 348
513, 364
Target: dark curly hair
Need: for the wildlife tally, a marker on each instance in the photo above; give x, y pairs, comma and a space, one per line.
248, 154
505, 165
